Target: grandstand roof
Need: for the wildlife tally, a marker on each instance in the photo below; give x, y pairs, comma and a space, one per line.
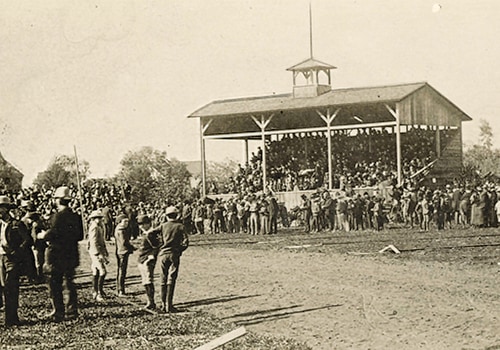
419, 103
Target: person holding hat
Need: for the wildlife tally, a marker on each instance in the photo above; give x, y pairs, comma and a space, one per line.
148, 252
174, 242
98, 252
28, 267
62, 256
36, 224
123, 249
10, 262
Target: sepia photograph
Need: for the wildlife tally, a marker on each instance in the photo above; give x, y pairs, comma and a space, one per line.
250, 174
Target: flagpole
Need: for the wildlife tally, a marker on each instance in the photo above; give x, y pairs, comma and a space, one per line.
80, 192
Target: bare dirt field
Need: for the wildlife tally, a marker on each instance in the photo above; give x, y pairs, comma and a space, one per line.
330, 291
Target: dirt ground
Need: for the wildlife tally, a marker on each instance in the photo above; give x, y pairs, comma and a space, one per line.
334, 300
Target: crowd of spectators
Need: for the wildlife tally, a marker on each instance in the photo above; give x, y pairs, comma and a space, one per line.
360, 158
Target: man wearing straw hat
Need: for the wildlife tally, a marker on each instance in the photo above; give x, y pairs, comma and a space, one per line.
65, 232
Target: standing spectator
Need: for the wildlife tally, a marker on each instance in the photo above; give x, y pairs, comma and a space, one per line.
425, 207
175, 241
493, 202
305, 208
65, 231
39, 245
148, 253
25, 224
107, 220
10, 252
132, 220
378, 213
264, 217
497, 205
98, 252
232, 219
187, 219
273, 210
315, 213
465, 207
254, 214
342, 218
199, 217
328, 207
123, 249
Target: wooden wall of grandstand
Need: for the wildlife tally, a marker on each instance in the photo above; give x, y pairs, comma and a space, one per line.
313, 107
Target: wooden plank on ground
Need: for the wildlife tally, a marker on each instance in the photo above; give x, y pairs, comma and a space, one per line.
391, 248
303, 246
224, 339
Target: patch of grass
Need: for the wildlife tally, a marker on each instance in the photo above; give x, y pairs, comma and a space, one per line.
115, 324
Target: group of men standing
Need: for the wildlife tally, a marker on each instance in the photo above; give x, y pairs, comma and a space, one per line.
62, 256
54, 247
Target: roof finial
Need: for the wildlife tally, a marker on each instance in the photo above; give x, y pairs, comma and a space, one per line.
310, 31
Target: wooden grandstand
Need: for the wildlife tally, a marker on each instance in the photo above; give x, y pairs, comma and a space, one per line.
314, 107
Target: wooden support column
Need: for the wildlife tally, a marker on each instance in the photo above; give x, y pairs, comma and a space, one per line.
395, 113
246, 151
328, 119
262, 124
203, 129
438, 142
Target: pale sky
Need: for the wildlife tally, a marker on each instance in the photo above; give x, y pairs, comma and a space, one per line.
112, 76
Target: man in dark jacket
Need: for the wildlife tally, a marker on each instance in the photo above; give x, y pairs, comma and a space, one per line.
174, 242
10, 262
148, 252
123, 249
65, 232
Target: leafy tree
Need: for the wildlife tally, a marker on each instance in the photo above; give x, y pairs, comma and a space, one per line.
153, 177
481, 157
62, 170
220, 174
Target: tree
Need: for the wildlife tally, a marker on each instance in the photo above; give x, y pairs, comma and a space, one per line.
481, 157
62, 171
153, 177
220, 175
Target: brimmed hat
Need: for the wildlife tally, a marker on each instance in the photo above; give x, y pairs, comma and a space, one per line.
5, 201
143, 219
28, 205
62, 192
120, 218
172, 210
96, 214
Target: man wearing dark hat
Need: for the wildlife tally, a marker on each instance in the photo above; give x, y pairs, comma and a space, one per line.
174, 242
62, 255
10, 260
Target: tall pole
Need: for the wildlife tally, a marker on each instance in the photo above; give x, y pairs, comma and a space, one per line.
398, 145
264, 165
203, 162
79, 190
310, 32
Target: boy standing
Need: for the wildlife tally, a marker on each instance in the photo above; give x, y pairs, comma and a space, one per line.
148, 252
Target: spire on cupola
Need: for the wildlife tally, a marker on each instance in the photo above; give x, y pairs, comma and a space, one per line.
309, 75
